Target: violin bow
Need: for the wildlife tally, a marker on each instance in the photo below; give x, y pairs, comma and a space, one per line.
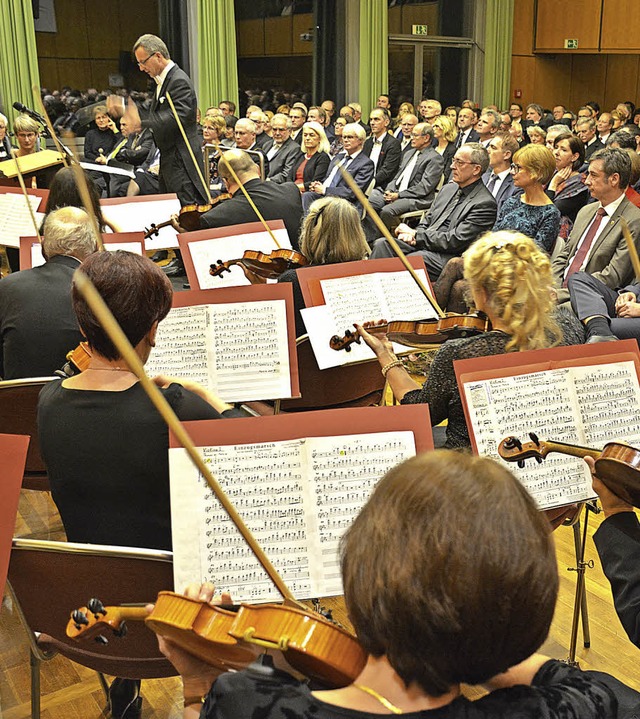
631, 246
186, 142
246, 194
52, 132
117, 336
14, 154
362, 198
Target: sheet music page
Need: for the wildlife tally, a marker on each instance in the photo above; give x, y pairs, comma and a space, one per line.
182, 344
274, 487
540, 402
403, 297
139, 216
342, 473
249, 354
37, 258
15, 218
204, 253
238, 350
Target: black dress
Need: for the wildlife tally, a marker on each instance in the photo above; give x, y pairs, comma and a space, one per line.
106, 456
557, 692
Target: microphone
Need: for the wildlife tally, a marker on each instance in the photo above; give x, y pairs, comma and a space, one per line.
32, 113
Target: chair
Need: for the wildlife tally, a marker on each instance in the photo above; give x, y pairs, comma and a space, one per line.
66, 576
18, 415
415, 214
357, 385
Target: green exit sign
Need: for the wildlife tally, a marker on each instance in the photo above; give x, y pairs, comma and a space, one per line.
419, 29
570, 44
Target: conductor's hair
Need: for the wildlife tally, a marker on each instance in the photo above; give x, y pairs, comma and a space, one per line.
68, 231
449, 571
332, 232
135, 289
240, 162
152, 44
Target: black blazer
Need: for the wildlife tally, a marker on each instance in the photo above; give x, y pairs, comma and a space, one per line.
315, 169
447, 156
388, 160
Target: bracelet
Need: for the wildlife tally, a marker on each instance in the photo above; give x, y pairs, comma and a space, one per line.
391, 365
195, 699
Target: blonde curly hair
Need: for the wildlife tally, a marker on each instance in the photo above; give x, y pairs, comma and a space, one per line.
517, 280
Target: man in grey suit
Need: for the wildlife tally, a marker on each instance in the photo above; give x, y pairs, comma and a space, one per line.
596, 245
282, 152
413, 187
463, 210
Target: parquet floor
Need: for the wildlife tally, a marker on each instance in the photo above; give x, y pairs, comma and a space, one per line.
71, 692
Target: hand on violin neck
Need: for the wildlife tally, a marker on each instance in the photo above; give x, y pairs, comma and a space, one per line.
380, 345
176, 224
610, 502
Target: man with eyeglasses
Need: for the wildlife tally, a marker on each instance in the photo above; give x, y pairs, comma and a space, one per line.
178, 172
413, 188
407, 123
462, 211
283, 152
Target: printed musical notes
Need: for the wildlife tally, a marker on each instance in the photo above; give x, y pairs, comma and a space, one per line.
297, 497
15, 218
239, 350
586, 405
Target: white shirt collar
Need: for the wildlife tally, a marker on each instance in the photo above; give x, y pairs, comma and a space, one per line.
613, 206
162, 76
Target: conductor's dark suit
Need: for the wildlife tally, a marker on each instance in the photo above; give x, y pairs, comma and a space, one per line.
177, 171
275, 202
37, 323
456, 219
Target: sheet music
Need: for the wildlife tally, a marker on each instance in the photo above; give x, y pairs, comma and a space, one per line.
108, 169
238, 350
571, 405
297, 497
138, 216
204, 253
15, 218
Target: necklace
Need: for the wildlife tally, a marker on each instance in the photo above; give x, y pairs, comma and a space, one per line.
108, 369
385, 702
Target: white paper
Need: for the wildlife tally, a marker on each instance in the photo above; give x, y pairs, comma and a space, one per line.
139, 216
15, 218
37, 258
238, 350
569, 405
296, 496
108, 169
204, 253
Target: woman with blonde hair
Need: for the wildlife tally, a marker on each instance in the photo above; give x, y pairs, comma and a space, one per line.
510, 280
26, 131
313, 164
331, 233
445, 132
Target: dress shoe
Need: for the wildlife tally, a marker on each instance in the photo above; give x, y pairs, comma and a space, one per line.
175, 268
594, 339
124, 698
186, 286
159, 256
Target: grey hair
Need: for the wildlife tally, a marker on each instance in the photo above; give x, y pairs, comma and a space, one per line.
357, 129
614, 161
244, 123
588, 121
495, 117
479, 155
68, 231
152, 44
424, 128
282, 116
3, 120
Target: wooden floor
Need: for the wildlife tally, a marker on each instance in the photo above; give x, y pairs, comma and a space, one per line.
71, 692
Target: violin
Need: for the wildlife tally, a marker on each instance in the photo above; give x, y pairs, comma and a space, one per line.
77, 360
617, 465
232, 638
188, 217
259, 267
420, 332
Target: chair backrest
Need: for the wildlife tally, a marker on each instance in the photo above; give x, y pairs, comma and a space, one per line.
18, 415
66, 576
358, 385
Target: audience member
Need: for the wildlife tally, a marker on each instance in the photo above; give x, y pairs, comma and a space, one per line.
312, 163
567, 188
445, 135
499, 180
382, 148
283, 151
487, 126
466, 131
586, 131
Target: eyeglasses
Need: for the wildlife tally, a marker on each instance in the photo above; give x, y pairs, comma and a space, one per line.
413, 134
141, 63
456, 161
515, 168
348, 137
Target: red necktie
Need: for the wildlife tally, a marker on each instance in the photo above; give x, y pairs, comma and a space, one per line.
585, 246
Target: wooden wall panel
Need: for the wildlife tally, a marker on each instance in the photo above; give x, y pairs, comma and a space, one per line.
588, 79
302, 23
250, 37
523, 28
523, 73
620, 24
621, 80
395, 20
100, 71
49, 77
420, 15
74, 73
277, 35
106, 16
72, 38
553, 80
136, 20
560, 19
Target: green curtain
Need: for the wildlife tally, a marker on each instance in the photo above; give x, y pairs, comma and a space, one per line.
18, 56
217, 63
374, 55
497, 55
